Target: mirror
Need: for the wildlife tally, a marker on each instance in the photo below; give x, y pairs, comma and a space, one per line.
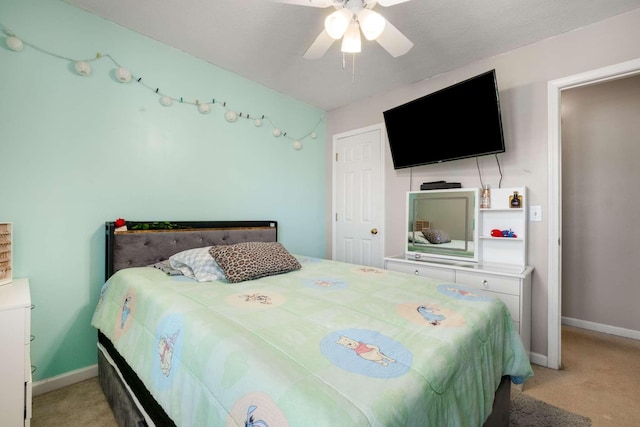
441, 223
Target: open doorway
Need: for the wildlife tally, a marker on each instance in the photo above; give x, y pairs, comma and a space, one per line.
555, 89
600, 148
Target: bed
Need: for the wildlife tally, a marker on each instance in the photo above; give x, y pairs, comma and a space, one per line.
325, 343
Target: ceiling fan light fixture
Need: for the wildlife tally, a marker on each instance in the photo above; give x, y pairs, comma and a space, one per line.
337, 23
351, 42
349, 18
372, 24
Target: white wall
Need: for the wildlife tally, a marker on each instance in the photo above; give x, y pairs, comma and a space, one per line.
522, 77
78, 151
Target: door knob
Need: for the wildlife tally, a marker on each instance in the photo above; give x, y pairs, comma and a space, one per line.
374, 231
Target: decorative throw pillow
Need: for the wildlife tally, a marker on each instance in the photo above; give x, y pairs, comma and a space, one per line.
417, 237
252, 260
197, 264
436, 236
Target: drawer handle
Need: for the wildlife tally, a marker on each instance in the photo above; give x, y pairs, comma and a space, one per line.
485, 283
417, 273
32, 337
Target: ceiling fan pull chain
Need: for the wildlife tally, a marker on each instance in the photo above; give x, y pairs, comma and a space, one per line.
353, 65
353, 69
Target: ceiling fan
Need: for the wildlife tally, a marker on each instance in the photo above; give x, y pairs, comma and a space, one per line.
351, 17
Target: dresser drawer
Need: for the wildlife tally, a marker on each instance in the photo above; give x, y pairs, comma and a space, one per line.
511, 301
489, 282
27, 326
28, 404
27, 362
426, 271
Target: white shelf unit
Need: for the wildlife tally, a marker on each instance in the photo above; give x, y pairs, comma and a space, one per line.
6, 253
507, 251
15, 354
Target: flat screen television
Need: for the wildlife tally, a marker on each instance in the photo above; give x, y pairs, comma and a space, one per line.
457, 122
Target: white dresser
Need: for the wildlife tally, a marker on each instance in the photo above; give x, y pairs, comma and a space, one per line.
15, 358
498, 266
511, 284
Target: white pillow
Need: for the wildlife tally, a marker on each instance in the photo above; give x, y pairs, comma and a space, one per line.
197, 264
417, 237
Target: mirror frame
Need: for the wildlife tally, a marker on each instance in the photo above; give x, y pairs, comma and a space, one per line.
444, 252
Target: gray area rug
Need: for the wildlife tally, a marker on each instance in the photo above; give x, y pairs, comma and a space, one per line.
525, 411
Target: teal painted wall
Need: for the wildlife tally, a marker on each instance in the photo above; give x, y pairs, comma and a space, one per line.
78, 151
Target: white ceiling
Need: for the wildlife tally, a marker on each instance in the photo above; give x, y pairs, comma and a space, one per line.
264, 41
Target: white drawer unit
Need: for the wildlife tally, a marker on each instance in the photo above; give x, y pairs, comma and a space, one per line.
508, 289
489, 282
510, 284
439, 273
15, 355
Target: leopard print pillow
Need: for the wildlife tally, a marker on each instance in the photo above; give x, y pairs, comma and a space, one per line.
252, 260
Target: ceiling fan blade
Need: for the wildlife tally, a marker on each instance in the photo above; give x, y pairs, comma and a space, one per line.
396, 43
318, 48
312, 3
387, 3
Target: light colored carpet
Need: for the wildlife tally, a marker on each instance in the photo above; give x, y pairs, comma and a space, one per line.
598, 379
79, 405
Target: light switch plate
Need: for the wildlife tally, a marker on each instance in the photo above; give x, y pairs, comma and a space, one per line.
535, 213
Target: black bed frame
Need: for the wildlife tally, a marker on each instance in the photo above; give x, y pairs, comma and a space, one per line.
140, 248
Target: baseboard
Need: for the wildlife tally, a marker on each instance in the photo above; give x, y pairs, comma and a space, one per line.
599, 327
538, 359
63, 380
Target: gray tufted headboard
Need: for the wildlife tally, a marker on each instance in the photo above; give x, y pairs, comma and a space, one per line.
145, 247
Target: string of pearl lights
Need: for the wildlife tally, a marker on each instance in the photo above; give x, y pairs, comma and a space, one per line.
123, 75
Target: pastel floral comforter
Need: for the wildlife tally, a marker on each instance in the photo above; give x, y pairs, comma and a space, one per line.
331, 344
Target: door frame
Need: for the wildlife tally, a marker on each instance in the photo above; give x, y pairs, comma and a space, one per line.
383, 140
554, 252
